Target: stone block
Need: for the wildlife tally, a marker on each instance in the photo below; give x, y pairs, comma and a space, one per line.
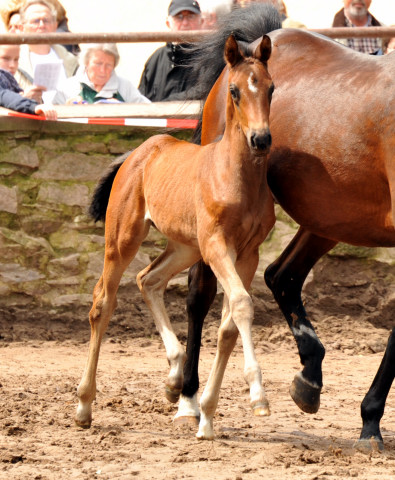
64, 194
8, 199
73, 166
23, 155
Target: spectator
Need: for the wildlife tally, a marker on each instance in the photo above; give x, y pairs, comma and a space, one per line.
11, 93
14, 23
10, 16
279, 5
356, 14
39, 16
96, 79
212, 13
63, 25
165, 76
286, 21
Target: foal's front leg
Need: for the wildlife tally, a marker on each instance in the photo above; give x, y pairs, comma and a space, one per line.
237, 318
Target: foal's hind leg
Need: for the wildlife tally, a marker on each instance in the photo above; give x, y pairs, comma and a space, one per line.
152, 282
285, 278
118, 255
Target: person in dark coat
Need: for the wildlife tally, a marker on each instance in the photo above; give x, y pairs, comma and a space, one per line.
165, 76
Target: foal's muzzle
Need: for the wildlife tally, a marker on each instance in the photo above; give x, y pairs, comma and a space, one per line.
260, 141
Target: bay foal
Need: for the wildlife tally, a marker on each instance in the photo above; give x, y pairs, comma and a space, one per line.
208, 201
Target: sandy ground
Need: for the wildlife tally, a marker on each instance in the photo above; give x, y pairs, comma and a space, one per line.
42, 355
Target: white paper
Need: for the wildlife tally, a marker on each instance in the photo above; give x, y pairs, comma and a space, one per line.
47, 74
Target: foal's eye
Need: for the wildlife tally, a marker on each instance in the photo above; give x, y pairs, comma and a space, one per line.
235, 92
270, 92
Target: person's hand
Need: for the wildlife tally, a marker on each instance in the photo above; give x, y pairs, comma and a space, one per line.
75, 101
47, 110
35, 92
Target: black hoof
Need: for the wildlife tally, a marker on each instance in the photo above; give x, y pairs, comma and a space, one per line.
306, 397
368, 445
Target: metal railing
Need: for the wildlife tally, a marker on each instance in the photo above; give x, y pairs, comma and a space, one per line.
191, 36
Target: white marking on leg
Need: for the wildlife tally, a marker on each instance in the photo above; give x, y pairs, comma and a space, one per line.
188, 407
206, 430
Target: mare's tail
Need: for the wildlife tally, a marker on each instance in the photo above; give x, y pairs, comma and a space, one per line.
207, 58
101, 195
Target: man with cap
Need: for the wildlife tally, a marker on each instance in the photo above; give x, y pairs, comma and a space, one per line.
165, 76
356, 14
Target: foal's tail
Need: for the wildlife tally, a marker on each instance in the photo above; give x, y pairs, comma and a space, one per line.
207, 57
101, 195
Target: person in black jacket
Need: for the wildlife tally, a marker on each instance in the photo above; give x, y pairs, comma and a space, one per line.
165, 76
11, 93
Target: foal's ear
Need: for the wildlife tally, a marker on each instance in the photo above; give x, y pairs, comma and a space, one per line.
264, 49
232, 52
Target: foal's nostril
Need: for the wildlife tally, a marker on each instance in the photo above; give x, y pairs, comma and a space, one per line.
261, 141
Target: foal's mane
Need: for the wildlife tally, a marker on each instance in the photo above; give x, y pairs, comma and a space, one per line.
207, 57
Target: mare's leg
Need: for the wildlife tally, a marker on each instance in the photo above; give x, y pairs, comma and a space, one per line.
202, 288
285, 278
372, 407
152, 282
237, 318
119, 252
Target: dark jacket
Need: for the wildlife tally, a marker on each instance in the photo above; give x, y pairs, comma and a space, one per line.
10, 96
340, 20
165, 76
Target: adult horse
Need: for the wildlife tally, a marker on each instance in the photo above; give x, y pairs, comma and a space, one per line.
331, 168
211, 202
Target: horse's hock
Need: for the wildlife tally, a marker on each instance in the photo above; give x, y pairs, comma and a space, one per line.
51, 252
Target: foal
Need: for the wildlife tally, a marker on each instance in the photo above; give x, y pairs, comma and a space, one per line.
208, 202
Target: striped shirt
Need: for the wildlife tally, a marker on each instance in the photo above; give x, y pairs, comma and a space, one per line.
364, 45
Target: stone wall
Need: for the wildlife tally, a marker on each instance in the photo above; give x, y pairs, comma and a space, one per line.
51, 252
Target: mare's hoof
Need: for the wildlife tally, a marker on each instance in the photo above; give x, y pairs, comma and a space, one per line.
172, 394
184, 420
261, 409
369, 445
306, 397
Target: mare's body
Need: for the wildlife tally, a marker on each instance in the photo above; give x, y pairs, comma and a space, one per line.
211, 202
332, 168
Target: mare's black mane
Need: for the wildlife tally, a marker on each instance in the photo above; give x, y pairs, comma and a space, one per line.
207, 56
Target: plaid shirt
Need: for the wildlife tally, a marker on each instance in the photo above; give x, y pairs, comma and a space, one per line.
364, 45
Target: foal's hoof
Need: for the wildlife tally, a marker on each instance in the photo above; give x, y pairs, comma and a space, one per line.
172, 394
306, 397
85, 424
261, 409
369, 445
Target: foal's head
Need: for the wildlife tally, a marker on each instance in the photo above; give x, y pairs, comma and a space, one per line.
250, 88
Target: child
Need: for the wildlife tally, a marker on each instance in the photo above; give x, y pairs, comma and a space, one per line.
11, 94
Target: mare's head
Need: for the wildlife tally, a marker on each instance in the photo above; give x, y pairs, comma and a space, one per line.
250, 89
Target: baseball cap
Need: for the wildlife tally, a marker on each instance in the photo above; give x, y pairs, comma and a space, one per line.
177, 6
